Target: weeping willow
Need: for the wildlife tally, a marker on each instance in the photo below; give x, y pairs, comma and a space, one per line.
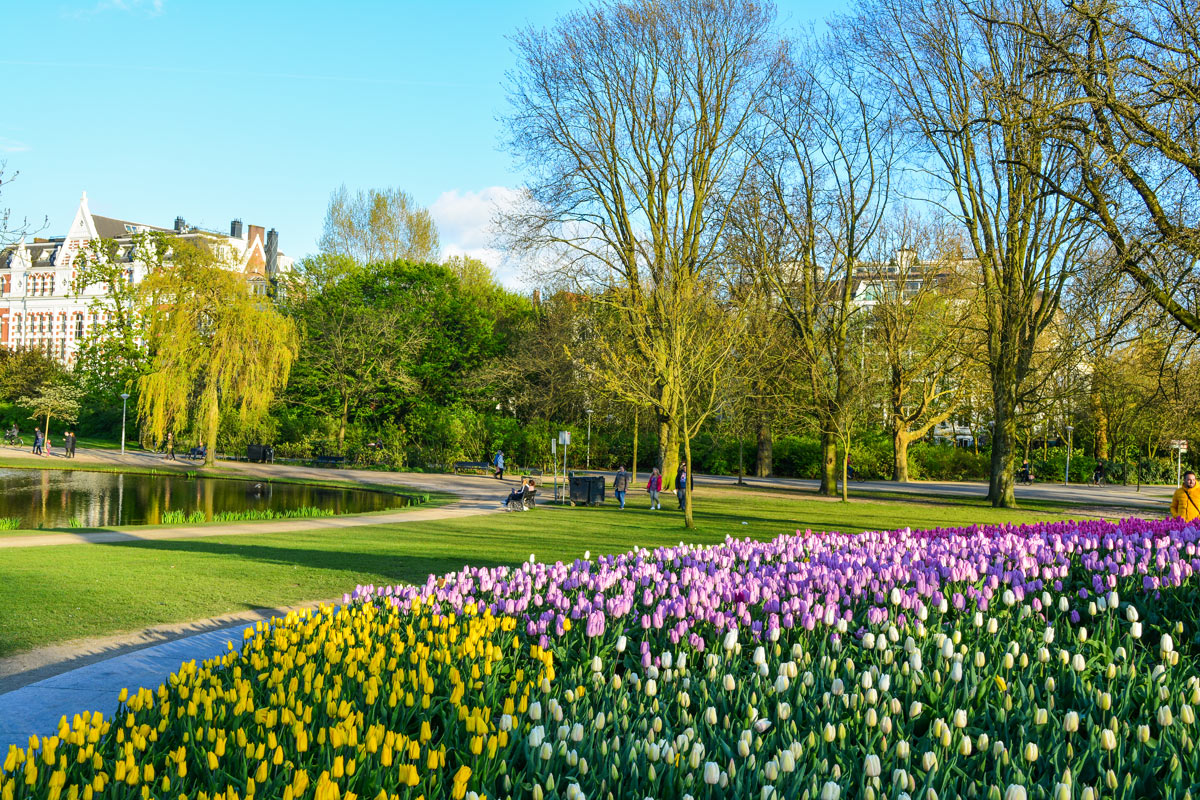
213, 345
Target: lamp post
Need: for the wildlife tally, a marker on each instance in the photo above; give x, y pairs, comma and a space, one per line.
589, 441
1067, 474
124, 400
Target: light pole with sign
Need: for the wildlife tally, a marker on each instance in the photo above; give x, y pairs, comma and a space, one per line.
588, 463
564, 438
1067, 473
1180, 447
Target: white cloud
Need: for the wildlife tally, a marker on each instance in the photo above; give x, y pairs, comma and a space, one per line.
151, 8
12, 146
465, 221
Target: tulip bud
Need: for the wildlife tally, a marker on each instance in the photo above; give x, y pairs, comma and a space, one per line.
929, 761
1166, 644
1143, 733
712, 773
1031, 752
1135, 630
1164, 716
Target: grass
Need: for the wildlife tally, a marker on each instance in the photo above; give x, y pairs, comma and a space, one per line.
53, 594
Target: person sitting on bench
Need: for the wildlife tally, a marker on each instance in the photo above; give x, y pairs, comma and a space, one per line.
518, 495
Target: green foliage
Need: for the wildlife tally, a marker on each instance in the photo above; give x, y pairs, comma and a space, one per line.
213, 345
24, 372
10, 523
56, 401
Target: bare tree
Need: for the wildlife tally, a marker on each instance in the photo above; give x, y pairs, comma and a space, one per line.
920, 322
379, 225
829, 173
636, 124
979, 96
1131, 119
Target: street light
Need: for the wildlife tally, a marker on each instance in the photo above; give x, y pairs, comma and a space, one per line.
589, 441
124, 399
1067, 475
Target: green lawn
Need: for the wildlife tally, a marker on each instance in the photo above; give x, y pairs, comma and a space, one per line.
53, 594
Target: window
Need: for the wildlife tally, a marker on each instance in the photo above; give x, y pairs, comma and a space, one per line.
79, 326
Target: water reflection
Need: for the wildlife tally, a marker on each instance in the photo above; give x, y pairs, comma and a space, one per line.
66, 498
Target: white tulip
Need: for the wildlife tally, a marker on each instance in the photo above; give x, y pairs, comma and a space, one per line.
787, 761
871, 766
1031, 752
712, 773
621, 644
831, 791
929, 761
1135, 630
730, 639
1077, 663
1166, 644
1071, 722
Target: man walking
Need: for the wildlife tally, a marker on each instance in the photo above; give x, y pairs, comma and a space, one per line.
1185, 505
498, 463
69, 444
37, 441
170, 446
620, 485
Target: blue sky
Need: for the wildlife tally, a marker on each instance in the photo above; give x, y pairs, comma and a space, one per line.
216, 109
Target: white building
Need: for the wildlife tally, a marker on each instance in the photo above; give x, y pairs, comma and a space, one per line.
38, 307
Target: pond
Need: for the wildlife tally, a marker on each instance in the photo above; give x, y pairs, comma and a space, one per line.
74, 498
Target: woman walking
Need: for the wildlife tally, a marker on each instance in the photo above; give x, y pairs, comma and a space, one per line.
654, 486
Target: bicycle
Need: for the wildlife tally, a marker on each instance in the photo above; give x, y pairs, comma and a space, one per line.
1097, 480
13, 440
1024, 480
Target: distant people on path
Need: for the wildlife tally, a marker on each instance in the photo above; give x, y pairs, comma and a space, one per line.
13, 435
69, 444
1186, 503
170, 446
654, 486
681, 478
1026, 473
38, 441
1098, 472
498, 464
621, 485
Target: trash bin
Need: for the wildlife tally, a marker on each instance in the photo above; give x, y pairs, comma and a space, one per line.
254, 452
586, 489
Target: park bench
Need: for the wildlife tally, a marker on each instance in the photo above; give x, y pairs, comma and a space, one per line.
196, 453
527, 502
466, 465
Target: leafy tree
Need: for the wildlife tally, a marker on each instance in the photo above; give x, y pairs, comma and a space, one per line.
58, 400
354, 346
211, 343
378, 225
23, 372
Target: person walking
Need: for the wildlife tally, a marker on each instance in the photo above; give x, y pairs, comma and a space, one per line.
681, 478
37, 441
1185, 504
69, 444
654, 486
170, 446
498, 463
621, 485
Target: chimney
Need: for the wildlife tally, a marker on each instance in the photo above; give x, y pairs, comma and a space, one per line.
272, 250
235, 229
180, 225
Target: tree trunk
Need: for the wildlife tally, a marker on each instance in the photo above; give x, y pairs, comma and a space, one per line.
211, 425
845, 473
828, 486
1101, 433
341, 437
1004, 436
635, 444
688, 520
46, 438
741, 459
900, 442
765, 461
668, 447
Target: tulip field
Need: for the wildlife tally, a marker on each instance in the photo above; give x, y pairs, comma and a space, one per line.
1051, 661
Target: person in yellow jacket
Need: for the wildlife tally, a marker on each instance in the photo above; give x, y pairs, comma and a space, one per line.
1186, 503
